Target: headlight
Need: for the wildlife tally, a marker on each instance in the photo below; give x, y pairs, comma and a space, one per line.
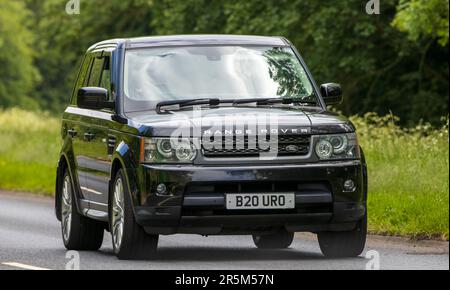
168, 150
164, 147
324, 149
185, 151
342, 146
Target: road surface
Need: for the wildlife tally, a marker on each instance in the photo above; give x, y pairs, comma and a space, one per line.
30, 239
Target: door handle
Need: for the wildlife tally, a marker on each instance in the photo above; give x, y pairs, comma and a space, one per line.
89, 136
72, 132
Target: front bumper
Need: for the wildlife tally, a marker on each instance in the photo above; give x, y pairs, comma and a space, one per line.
196, 203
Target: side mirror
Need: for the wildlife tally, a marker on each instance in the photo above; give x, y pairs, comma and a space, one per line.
331, 93
94, 98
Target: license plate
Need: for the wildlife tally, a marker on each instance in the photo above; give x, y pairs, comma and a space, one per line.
261, 201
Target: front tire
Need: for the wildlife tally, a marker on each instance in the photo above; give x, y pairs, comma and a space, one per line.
78, 232
347, 244
130, 241
344, 244
280, 240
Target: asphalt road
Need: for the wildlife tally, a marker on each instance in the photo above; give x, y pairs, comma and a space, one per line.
30, 239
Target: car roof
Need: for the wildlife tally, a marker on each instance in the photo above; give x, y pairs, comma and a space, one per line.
185, 40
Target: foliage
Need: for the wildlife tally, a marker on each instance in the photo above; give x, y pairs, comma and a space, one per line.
29, 151
379, 67
64, 38
396, 61
427, 18
17, 73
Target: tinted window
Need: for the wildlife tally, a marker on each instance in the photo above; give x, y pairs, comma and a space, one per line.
82, 77
96, 72
105, 81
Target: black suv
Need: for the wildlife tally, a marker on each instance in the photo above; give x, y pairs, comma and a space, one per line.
209, 135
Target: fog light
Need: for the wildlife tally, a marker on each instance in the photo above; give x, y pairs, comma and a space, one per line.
161, 189
349, 185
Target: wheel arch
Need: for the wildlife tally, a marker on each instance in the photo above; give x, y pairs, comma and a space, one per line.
63, 164
365, 174
122, 159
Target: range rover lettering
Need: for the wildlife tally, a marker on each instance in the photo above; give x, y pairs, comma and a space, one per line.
207, 135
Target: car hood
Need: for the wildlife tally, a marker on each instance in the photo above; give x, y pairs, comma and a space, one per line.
239, 120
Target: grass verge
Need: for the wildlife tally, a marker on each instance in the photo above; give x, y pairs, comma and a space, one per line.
29, 151
408, 177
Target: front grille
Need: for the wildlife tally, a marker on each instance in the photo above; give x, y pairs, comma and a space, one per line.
237, 146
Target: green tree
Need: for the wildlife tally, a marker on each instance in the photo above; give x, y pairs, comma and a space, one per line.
64, 38
424, 18
17, 73
189, 17
380, 68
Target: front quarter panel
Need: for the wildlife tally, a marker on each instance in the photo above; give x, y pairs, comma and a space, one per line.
127, 156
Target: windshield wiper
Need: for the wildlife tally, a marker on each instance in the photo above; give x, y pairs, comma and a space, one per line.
273, 101
285, 101
187, 103
216, 102
249, 101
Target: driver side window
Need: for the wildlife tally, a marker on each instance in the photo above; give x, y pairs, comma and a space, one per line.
105, 80
96, 72
100, 74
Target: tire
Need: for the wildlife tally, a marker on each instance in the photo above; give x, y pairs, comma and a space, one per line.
347, 244
280, 240
130, 241
79, 233
344, 244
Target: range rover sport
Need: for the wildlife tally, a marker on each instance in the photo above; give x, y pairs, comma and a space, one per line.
208, 135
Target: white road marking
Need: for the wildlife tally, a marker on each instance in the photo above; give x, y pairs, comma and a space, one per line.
23, 266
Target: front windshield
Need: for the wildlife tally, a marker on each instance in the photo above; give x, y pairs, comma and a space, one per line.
225, 72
